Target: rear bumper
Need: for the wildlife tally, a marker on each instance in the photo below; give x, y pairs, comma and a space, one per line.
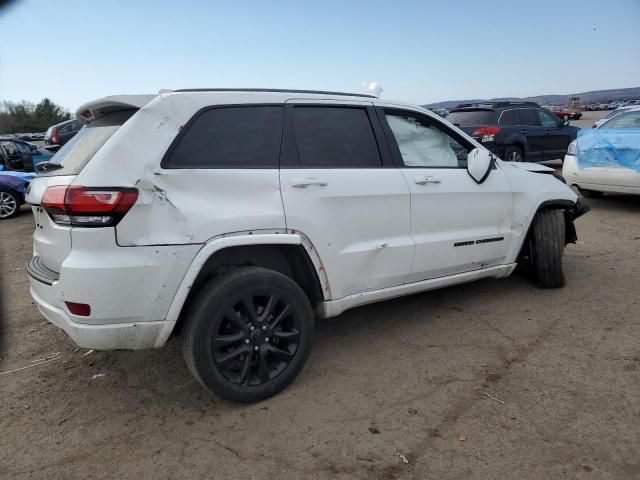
133, 335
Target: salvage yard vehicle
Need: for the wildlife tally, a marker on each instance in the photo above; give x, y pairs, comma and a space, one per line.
12, 189
607, 158
62, 132
245, 214
515, 131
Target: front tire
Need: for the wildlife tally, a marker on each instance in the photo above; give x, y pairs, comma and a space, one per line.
248, 334
547, 248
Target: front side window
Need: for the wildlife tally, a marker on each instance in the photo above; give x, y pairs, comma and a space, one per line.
548, 119
423, 144
230, 137
339, 137
624, 120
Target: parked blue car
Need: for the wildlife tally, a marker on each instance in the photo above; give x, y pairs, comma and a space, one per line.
13, 187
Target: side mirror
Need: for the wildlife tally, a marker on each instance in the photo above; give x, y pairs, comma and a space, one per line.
566, 123
479, 163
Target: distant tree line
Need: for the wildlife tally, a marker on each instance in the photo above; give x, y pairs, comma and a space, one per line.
27, 117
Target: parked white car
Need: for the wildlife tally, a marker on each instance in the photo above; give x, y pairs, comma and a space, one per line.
595, 179
234, 218
611, 114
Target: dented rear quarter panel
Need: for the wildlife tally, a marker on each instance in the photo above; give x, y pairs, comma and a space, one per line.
180, 206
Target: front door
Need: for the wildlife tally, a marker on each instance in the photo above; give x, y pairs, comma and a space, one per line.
341, 189
457, 224
556, 136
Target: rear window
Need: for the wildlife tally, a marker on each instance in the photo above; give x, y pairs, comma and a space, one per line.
230, 137
77, 152
340, 137
464, 118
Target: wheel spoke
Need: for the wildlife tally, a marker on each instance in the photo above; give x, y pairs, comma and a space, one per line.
232, 316
250, 307
279, 353
283, 314
268, 308
288, 336
225, 359
226, 340
245, 369
263, 368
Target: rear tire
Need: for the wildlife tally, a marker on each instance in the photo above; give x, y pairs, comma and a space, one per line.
513, 154
547, 245
248, 333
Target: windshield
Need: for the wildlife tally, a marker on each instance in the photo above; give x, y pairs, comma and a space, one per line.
471, 117
77, 152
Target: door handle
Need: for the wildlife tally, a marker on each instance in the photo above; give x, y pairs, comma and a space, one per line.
524, 132
427, 179
305, 182
548, 132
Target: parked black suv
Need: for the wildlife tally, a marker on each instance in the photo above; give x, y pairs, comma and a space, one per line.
515, 131
61, 133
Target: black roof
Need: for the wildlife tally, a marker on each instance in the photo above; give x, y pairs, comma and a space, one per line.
275, 90
496, 105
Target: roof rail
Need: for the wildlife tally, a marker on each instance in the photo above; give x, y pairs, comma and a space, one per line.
497, 104
275, 90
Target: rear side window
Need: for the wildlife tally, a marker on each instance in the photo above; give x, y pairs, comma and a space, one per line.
335, 137
528, 116
508, 117
230, 137
464, 118
77, 152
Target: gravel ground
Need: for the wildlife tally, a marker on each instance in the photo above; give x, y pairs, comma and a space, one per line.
494, 379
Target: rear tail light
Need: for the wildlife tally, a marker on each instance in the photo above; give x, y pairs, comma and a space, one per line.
88, 206
487, 134
55, 138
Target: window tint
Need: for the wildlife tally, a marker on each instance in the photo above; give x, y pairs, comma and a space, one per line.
508, 117
528, 116
465, 118
624, 120
423, 144
548, 119
230, 137
335, 137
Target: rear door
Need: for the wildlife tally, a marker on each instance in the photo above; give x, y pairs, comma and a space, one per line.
457, 225
341, 189
530, 127
557, 137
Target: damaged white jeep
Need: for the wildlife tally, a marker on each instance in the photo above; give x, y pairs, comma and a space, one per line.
234, 218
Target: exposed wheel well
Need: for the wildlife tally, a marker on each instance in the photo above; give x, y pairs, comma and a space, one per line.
567, 207
290, 260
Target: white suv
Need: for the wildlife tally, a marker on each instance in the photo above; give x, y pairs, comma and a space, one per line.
235, 217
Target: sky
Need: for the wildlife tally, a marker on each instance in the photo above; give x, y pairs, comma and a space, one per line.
420, 51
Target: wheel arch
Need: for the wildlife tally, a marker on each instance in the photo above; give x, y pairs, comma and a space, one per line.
291, 254
571, 210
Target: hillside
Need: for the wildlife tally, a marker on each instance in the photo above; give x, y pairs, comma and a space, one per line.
595, 96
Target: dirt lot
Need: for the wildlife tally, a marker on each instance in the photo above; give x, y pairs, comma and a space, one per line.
562, 365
